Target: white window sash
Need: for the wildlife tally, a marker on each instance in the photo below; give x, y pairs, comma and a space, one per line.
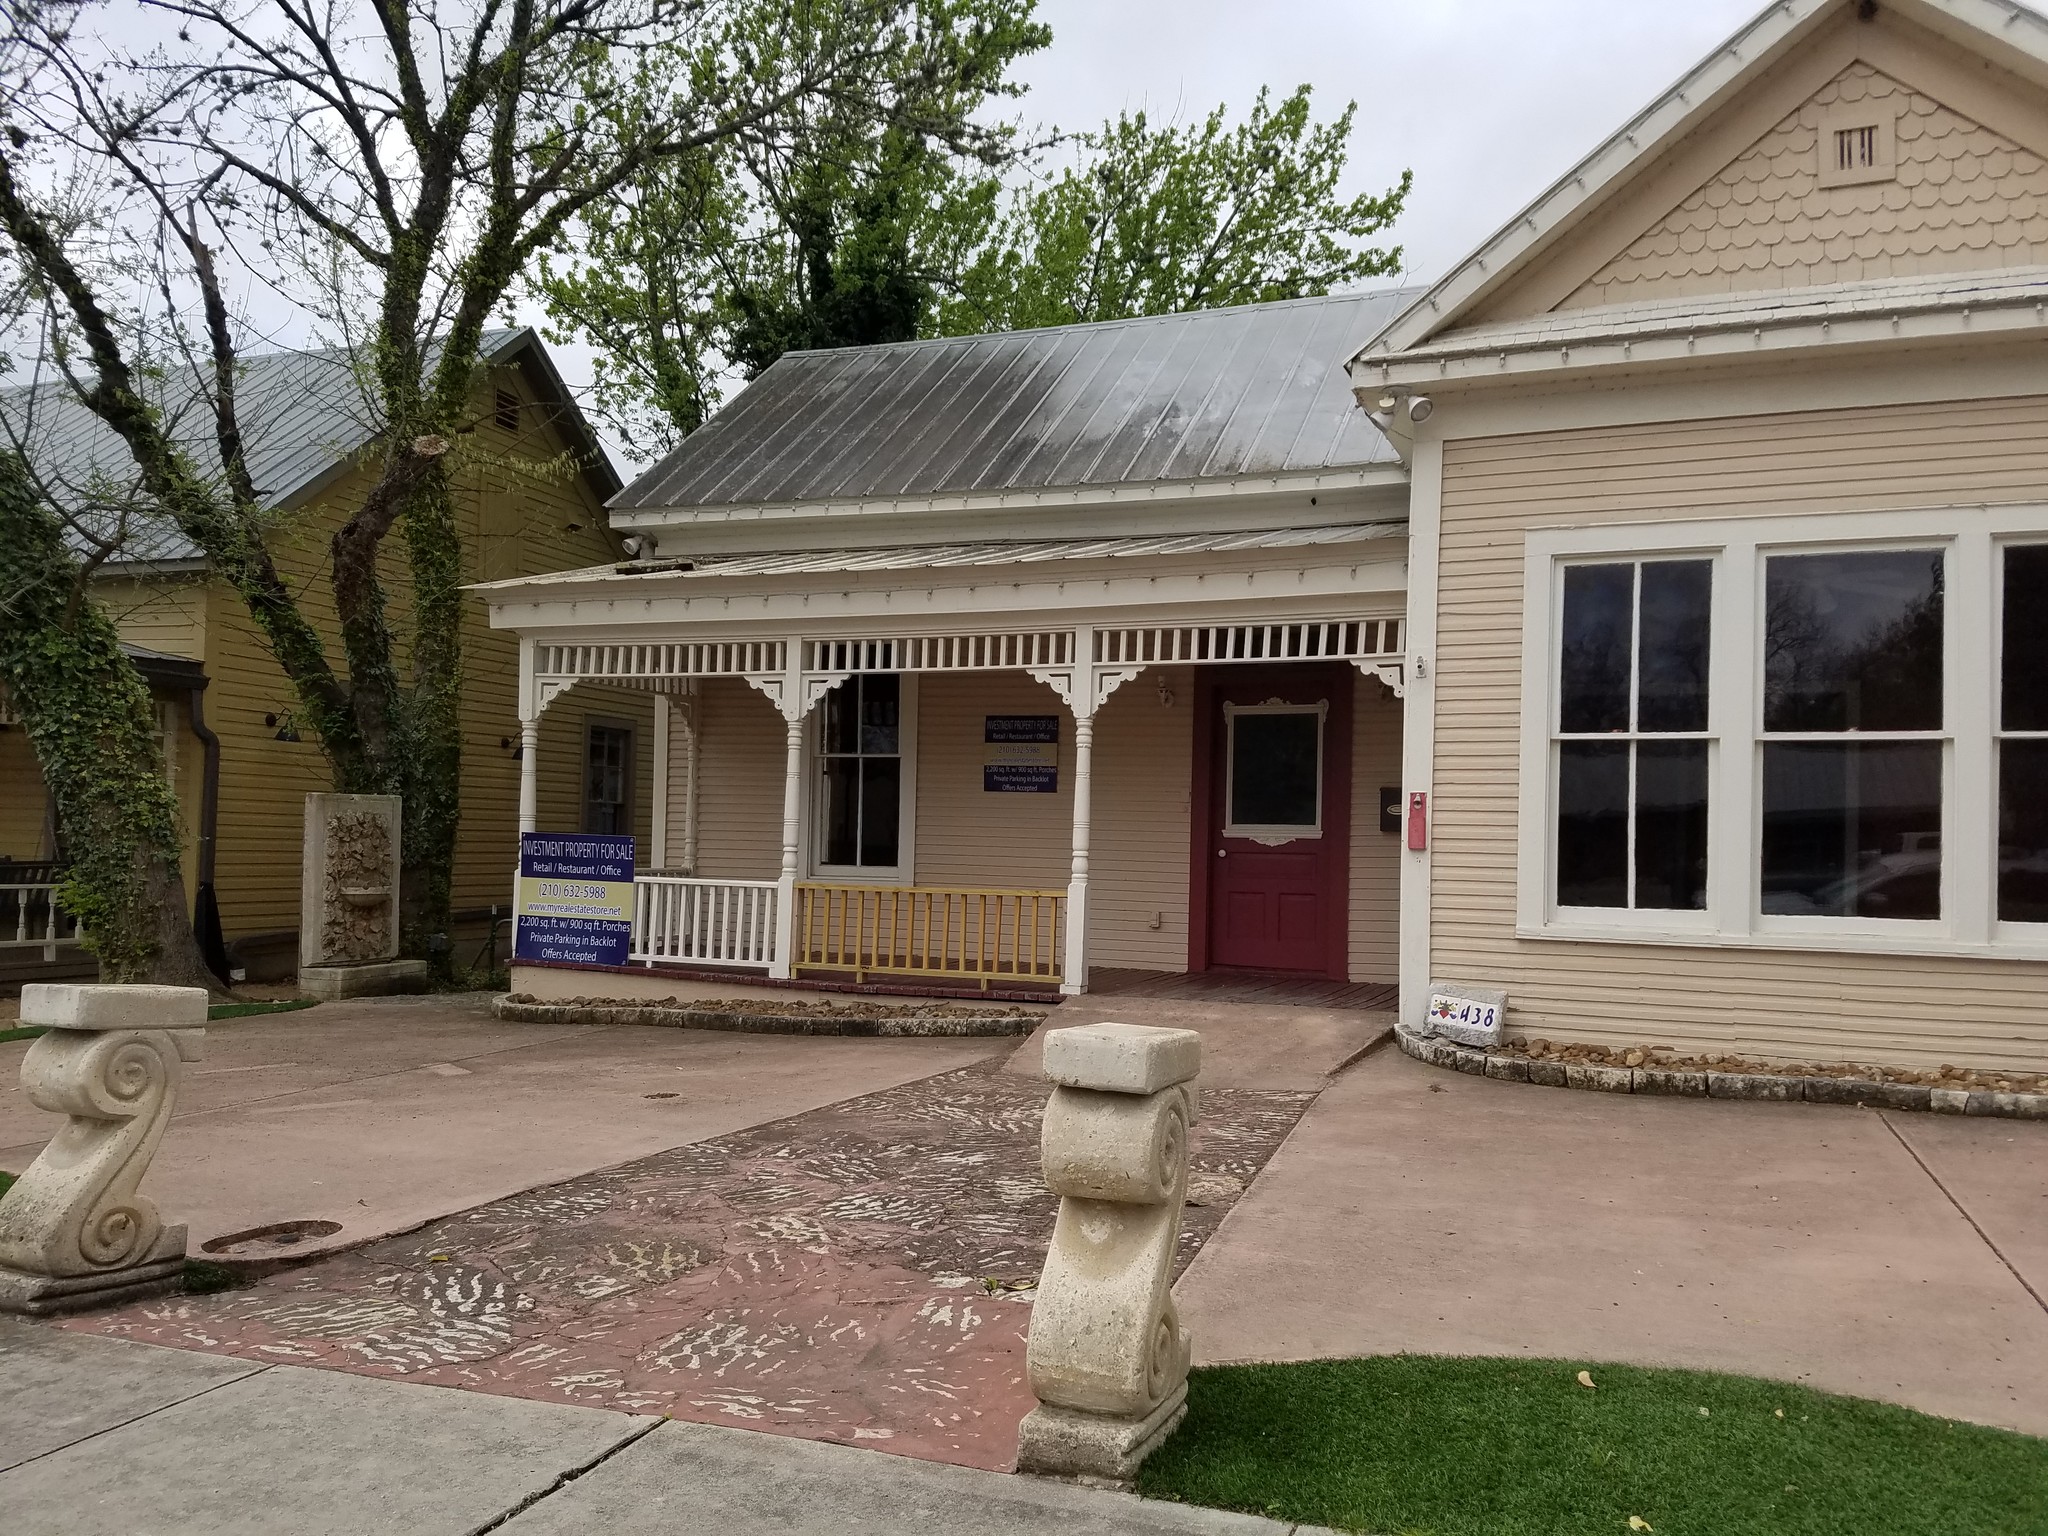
1739, 546
904, 870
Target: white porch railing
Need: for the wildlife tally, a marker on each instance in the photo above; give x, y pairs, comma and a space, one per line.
703, 922
30, 917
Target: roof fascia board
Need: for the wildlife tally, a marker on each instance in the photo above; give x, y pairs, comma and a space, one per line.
649, 519
1367, 587
2011, 34
1737, 338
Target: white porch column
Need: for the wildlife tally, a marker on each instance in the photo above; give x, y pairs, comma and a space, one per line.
792, 808
1081, 700
529, 775
664, 715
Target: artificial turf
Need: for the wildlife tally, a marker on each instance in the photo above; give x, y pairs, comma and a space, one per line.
219, 1011
1411, 1445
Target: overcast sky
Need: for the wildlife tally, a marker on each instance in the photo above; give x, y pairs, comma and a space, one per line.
1488, 101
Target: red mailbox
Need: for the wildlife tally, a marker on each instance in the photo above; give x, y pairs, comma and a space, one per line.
1418, 822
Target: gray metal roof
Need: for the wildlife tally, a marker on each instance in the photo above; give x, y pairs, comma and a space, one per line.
304, 417
917, 557
1218, 393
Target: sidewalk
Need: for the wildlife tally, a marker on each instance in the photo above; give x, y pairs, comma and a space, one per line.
101, 1434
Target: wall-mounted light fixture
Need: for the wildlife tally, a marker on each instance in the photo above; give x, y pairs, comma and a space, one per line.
507, 744
282, 725
1165, 694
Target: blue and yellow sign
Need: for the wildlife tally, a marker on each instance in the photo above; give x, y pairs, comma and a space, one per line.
575, 899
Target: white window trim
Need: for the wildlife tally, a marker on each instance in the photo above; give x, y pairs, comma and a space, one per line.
1278, 832
1733, 916
904, 871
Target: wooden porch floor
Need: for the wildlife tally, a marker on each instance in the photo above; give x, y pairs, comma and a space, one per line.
1274, 988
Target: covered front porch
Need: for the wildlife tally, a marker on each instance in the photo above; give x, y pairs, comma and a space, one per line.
990, 808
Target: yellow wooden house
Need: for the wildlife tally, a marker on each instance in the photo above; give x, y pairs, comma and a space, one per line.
530, 494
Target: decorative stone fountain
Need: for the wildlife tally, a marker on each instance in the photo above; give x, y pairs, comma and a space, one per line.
1107, 1357
75, 1231
348, 899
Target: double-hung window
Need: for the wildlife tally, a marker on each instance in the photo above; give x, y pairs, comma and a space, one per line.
1805, 731
861, 784
1630, 742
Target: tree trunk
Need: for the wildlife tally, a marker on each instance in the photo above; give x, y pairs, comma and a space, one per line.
89, 717
433, 770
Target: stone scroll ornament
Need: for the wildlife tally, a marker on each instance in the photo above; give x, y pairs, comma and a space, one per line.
76, 1230
1107, 1357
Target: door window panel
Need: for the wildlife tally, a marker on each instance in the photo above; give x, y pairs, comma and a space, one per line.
861, 732
1276, 768
1632, 749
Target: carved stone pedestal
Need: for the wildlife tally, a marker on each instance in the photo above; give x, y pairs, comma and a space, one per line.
1107, 1357
75, 1231
348, 900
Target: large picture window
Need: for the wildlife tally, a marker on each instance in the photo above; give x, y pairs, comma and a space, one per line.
1631, 739
861, 762
1804, 731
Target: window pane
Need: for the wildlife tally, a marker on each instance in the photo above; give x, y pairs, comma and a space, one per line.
842, 810
1852, 642
1671, 824
2023, 831
880, 698
1273, 762
1593, 660
1592, 824
1671, 670
1852, 830
881, 779
842, 713
2026, 638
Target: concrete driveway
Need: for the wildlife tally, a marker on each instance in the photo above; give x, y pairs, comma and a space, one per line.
1895, 1256
383, 1114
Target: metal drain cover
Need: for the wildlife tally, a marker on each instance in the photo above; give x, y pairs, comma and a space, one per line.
264, 1242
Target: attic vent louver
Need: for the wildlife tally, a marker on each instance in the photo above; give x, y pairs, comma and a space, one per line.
507, 412
1858, 145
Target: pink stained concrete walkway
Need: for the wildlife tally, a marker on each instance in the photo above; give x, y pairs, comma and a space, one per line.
1422, 1211
383, 1114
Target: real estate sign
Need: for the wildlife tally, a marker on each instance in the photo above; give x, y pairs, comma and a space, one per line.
575, 899
1021, 754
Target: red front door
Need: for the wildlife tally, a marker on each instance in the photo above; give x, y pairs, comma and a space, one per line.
1278, 817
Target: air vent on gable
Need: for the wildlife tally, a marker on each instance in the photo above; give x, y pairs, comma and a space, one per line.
1858, 145
507, 414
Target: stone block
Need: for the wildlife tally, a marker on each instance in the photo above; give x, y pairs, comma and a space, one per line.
1440, 1009
384, 978
1755, 1085
1843, 1090
2008, 1106
1464, 1059
1069, 1443
1122, 1058
1508, 1069
1124, 1147
1671, 1081
65, 1005
1598, 1078
1550, 1074
1948, 1101
1905, 1096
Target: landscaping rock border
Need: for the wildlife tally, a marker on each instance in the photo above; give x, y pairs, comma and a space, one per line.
905, 1026
1776, 1087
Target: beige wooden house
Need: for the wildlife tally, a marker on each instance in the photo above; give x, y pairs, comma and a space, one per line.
529, 499
1673, 597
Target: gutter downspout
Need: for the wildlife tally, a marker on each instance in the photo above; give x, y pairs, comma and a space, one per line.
206, 929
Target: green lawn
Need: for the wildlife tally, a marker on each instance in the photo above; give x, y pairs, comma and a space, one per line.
21, 1032
1411, 1445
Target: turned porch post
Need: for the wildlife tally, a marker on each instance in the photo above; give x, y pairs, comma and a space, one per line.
1081, 700
529, 745
792, 808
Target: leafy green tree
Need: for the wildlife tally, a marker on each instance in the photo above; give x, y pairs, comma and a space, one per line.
1160, 220
866, 237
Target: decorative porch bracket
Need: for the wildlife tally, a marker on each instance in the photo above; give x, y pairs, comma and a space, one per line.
75, 1230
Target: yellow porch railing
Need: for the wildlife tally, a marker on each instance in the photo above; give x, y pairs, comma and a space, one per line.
950, 933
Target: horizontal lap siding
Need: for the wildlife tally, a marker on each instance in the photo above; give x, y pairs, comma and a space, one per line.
23, 804
1375, 915
1771, 1003
739, 784
965, 835
1144, 781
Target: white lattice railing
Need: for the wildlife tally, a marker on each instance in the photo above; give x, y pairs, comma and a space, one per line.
703, 922
30, 917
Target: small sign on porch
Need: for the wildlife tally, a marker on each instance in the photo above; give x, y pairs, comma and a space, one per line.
575, 899
1468, 1015
1020, 754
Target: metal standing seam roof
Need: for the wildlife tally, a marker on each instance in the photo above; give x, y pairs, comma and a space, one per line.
303, 415
994, 552
1213, 394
